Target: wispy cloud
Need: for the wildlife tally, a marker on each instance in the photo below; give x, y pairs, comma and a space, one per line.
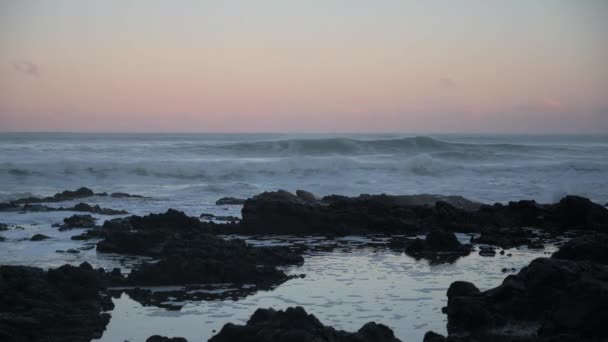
27, 67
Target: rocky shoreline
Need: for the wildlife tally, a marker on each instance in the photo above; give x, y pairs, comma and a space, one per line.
534, 304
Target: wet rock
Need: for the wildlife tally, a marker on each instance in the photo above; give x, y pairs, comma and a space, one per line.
488, 251
294, 324
553, 298
63, 304
589, 247
39, 237
61, 196
78, 221
2, 239
230, 201
574, 212
89, 234
206, 216
3, 227
306, 196
96, 209
438, 246
190, 254
504, 237
72, 251
158, 338
124, 195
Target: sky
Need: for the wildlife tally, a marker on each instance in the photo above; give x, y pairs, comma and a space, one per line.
467, 66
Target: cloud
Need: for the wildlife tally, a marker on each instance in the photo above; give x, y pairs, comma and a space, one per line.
27, 67
446, 83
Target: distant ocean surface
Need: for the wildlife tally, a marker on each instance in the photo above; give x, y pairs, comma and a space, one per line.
192, 169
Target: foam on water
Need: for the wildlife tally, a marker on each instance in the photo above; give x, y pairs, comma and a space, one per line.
199, 168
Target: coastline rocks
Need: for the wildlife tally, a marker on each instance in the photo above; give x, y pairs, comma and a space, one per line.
574, 212
550, 298
306, 196
61, 196
438, 246
230, 201
505, 238
62, 304
124, 195
190, 254
77, 221
96, 209
588, 247
294, 324
39, 237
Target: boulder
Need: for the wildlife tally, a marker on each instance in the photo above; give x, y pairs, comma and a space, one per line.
39, 237
158, 338
63, 304
294, 324
588, 247
558, 298
78, 221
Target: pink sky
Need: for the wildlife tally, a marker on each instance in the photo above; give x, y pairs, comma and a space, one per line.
419, 66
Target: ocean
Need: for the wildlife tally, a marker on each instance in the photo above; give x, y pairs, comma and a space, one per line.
344, 288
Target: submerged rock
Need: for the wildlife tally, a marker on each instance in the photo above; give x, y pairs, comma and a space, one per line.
553, 298
230, 201
39, 237
294, 324
504, 237
63, 304
124, 195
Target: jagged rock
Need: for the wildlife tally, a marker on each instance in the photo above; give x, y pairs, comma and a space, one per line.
488, 251
124, 195
557, 298
39, 237
306, 196
438, 246
58, 197
78, 221
574, 212
294, 324
3, 227
96, 209
230, 201
589, 247
504, 237
62, 304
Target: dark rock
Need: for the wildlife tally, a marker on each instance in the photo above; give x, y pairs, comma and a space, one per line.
78, 221
487, 251
124, 195
157, 338
205, 216
230, 201
504, 237
61, 196
190, 254
438, 246
573, 212
62, 304
306, 196
294, 324
589, 247
96, 209
89, 234
39, 237
557, 297
72, 251
3, 227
